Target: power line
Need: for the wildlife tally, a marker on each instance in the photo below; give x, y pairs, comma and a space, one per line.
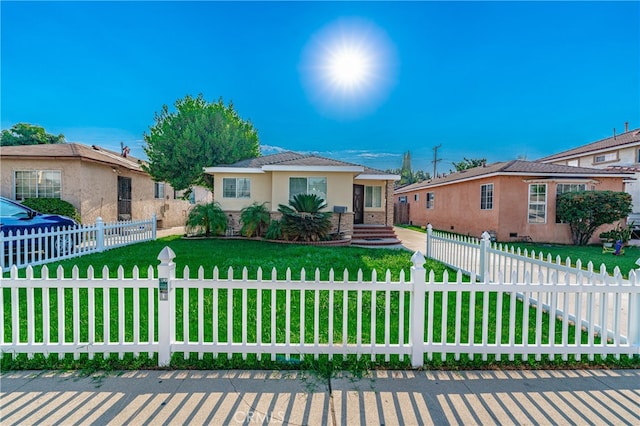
435, 160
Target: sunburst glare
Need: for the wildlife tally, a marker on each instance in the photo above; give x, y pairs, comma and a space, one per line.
348, 68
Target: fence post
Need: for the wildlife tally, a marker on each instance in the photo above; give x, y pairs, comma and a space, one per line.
99, 234
634, 312
166, 273
428, 249
485, 242
154, 226
417, 310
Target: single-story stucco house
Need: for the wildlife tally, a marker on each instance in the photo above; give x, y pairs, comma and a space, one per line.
364, 195
515, 199
97, 181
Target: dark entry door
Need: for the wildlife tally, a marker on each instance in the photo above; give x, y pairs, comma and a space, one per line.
358, 204
124, 198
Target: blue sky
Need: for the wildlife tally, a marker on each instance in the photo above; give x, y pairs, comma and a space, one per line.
498, 80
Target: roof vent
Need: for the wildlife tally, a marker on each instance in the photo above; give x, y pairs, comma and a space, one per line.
95, 147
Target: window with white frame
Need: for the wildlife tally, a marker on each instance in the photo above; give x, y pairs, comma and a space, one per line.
561, 188
603, 158
373, 196
403, 199
486, 196
538, 203
431, 197
236, 188
37, 184
158, 191
573, 163
416, 197
308, 185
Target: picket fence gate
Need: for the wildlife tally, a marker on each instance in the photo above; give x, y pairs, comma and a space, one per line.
38, 246
292, 318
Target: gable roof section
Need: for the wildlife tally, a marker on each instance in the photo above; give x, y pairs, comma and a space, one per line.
71, 150
515, 168
293, 161
629, 138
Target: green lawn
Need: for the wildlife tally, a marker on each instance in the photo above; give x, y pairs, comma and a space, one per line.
255, 254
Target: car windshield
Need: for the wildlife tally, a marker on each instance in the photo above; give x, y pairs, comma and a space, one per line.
8, 209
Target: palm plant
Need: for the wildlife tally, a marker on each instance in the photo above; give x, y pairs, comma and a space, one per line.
303, 220
208, 217
255, 218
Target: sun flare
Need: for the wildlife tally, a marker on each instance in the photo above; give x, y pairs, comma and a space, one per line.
348, 68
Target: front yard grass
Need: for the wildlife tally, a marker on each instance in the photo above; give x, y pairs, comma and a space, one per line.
252, 255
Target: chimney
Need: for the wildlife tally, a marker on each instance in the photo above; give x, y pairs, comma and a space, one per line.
626, 126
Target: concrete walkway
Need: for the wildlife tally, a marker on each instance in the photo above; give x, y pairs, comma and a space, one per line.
302, 398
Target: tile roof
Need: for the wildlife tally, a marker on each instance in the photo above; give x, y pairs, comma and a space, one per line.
71, 150
515, 167
290, 158
631, 137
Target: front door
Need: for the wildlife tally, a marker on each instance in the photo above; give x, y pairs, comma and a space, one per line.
124, 198
358, 204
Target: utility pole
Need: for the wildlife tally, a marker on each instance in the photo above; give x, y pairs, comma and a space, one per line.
435, 161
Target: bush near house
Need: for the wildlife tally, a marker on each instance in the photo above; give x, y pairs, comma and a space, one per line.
206, 218
302, 219
53, 206
585, 211
255, 218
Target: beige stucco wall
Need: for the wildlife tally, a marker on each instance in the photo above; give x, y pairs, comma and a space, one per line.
93, 189
457, 209
339, 188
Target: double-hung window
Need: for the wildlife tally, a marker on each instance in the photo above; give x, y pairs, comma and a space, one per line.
486, 196
431, 197
236, 188
373, 196
308, 185
37, 184
537, 203
158, 190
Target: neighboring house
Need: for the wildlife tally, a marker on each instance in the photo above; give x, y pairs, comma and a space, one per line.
98, 182
514, 199
617, 153
365, 194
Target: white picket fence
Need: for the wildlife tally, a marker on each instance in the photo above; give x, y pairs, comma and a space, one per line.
290, 319
36, 247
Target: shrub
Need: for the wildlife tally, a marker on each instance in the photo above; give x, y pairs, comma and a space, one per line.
208, 218
53, 206
585, 211
302, 220
274, 231
255, 219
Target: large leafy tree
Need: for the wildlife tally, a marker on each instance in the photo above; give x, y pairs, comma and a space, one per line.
197, 134
585, 211
406, 172
469, 163
28, 134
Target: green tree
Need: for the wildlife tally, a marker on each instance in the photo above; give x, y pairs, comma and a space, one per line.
197, 134
208, 218
303, 220
469, 163
28, 134
585, 211
406, 172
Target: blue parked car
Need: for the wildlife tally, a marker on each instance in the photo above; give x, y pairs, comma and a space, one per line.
16, 217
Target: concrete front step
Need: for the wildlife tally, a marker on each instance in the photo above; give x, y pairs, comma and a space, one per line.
374, 235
